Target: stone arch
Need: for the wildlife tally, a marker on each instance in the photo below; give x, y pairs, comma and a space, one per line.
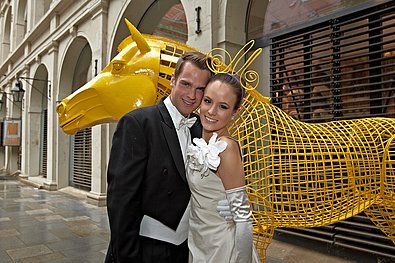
235, 17
40, 8
143, 14
68, 80
152, 21
36, 119
38, 97
21, 21
133, 11
76, 70
6, 45
256, 18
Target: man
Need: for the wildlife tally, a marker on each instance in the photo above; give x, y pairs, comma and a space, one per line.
148, 195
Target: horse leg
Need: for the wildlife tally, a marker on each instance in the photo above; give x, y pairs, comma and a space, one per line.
383, 215
263, 236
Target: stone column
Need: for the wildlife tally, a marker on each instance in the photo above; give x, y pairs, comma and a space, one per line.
100, 134
53, 181
25, 126
12, 153
203, 39
98, 193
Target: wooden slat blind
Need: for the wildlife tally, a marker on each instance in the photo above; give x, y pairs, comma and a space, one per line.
44, 139
82, 159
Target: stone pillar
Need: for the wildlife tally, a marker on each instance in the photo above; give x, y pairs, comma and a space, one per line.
2, 21
203, 40
53, 164
100, 134
98, 193
3, 109
222, 24
12, 153
25, 127
31, 160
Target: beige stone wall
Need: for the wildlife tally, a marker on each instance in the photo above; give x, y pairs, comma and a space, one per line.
50, 36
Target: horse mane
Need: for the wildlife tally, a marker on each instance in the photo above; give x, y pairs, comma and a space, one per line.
128, 40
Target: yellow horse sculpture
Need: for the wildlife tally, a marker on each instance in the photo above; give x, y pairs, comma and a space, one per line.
298, 174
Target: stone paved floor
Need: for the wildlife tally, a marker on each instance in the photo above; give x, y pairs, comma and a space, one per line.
41, 226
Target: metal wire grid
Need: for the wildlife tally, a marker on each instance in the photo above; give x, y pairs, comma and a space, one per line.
308, 175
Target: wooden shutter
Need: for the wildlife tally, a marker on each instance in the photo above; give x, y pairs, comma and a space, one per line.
44, 139
81, 175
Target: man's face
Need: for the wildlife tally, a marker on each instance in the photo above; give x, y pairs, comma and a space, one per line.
187, 90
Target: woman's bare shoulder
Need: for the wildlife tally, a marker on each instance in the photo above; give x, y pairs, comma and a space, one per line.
233, 144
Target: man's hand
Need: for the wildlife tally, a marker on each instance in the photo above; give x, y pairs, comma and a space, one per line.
223, 209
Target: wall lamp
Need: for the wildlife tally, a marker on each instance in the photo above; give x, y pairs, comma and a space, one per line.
1, 100
18, 92
4, 94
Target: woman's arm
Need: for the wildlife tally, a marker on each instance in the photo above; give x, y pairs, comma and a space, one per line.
231, 169
231, 173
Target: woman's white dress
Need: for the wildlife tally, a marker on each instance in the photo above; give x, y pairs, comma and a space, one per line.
211, 238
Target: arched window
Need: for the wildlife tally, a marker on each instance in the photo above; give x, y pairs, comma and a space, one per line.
21, 22
173, 24
6, 45
166, 20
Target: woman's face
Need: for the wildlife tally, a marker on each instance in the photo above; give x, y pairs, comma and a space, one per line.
217, 107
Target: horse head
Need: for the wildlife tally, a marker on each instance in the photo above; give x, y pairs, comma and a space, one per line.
136, 77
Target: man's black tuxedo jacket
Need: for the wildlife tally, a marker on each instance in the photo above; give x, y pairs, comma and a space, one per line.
146, 176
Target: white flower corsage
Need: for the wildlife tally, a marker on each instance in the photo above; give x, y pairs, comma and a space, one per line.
203, 156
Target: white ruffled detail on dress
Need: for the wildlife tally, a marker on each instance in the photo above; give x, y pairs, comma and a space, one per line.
202, 156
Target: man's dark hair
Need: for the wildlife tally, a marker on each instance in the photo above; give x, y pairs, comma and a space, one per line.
197, 58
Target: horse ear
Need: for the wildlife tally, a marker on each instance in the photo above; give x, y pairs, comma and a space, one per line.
142, 45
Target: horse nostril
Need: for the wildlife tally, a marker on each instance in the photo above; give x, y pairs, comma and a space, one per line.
60, 108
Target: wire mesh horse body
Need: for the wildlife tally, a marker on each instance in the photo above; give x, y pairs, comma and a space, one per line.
298, 174
308, 175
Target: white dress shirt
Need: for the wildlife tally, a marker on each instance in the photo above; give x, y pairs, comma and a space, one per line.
151, 227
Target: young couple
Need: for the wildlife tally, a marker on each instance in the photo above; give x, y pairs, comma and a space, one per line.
164, 191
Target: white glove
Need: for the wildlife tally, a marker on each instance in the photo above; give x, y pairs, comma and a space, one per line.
223, 209
240, 208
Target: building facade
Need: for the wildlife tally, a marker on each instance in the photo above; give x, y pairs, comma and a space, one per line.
52, 47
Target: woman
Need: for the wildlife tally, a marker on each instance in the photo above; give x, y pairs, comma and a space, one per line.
215, 172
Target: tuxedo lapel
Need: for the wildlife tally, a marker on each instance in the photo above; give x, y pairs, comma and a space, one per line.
196, 129
172, 139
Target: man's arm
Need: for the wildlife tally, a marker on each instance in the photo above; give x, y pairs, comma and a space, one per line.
125, 174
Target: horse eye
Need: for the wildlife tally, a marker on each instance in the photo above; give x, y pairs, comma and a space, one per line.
117, 65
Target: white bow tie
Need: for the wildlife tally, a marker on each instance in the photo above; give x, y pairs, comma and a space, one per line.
186, 122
